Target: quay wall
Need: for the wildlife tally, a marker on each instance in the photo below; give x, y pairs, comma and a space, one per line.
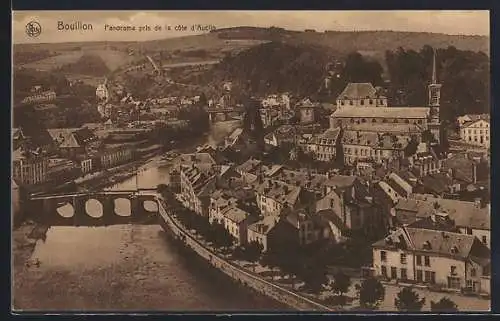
238, 274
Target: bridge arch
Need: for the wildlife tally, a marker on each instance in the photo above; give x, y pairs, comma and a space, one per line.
122, 206
65, 209
150, 206
94, 208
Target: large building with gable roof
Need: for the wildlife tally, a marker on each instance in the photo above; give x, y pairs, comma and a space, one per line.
363, 104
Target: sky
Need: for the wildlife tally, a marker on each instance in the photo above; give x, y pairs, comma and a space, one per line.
438, 21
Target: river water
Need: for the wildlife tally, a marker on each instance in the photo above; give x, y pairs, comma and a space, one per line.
126, 267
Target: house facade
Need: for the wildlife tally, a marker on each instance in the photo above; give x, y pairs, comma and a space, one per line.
29, 169
448, 260
475, 129
273, 196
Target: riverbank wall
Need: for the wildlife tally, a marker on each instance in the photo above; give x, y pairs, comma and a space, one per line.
235, 272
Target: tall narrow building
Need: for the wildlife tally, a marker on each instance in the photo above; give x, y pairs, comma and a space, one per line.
434, 103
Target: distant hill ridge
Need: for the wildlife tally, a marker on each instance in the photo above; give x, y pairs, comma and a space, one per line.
342, 41
349, 41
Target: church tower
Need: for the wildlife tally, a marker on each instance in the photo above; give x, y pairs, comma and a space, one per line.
434, 102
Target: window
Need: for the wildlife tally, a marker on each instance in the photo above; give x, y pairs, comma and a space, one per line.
371, 101
419, 276
350, 102
342, 102
383, 256
404, 275
403, 258
486, 270
383, 270
473, 272
427, 261
374, 120
483, 239
454, 283
394, 273
362, 101
427, 276
453, 270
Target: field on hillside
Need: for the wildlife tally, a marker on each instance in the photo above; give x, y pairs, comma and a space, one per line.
86, 79
208, 42
56, 61
112, 58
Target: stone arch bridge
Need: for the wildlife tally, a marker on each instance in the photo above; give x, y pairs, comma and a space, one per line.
94, 208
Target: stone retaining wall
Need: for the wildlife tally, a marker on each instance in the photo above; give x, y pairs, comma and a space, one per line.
258, 284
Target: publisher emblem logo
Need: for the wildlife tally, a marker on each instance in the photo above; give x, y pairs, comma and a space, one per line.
33, 29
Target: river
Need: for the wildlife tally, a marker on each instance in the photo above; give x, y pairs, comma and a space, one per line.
127, 267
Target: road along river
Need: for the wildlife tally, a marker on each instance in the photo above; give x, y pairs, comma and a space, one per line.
127, 267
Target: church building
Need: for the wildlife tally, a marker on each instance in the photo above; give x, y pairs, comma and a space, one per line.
362, 104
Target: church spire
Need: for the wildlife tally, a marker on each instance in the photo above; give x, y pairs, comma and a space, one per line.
434, 77
434, 87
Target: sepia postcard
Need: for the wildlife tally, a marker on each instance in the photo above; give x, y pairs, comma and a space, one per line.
251, 161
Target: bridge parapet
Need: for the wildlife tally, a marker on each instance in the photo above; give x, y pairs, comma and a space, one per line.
94, 209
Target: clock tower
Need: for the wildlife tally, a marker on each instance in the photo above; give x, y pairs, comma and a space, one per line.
434, 102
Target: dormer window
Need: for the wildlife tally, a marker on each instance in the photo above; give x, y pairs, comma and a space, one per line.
454, 250
427, 245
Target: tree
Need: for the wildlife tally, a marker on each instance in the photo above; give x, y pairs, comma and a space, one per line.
408, 300
444, 305
371, 293
253, 251
221, 237
315, 278
341, 283
270, 260
358, 69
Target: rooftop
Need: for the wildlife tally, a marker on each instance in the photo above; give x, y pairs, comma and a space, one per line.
375, 140
249, 166
196, 158
386, 127
466, 214
264, 226
279, 191
383, 112
358, 90
432, 241
235, 214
